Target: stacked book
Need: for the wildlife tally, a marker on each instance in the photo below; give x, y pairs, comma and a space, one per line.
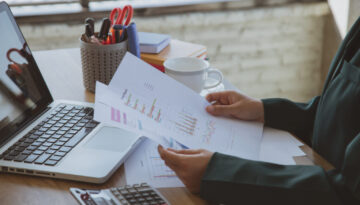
156, 48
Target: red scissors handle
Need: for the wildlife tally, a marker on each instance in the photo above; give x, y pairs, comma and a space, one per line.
126, 12
115, 16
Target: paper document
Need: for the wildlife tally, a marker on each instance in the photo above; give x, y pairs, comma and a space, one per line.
279, 147
145, 165
167, 108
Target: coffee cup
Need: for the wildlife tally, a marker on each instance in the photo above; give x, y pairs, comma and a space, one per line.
193, 72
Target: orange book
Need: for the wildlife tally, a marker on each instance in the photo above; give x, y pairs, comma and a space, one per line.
175, 49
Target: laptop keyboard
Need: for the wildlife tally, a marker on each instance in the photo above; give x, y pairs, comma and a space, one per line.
49, 141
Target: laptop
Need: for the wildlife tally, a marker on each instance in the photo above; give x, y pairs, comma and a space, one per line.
40, 136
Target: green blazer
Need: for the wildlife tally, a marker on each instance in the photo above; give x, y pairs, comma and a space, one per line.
330, 123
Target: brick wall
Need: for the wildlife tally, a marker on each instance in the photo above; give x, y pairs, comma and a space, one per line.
265, 52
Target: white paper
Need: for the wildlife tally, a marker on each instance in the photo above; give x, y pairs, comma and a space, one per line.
145, 165
108, 110
279, 147
296, 141
177, 111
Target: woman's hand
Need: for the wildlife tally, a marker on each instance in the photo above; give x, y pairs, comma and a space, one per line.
233, 104
189, 165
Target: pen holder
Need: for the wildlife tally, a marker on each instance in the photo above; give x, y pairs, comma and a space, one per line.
99, 62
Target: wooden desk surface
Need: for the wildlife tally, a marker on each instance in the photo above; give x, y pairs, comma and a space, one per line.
62, 72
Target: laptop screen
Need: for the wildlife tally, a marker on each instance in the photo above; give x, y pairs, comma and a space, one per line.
23, 92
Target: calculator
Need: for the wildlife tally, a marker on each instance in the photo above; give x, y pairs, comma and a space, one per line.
137, 194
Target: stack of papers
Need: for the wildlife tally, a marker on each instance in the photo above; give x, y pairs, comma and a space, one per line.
279, 147
143, 100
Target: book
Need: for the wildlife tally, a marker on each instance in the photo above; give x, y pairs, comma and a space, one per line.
153, 42
175, 49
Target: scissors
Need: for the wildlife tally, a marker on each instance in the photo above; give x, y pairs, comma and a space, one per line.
126, 13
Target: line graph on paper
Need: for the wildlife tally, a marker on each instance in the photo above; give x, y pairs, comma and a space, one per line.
145, 165
157, 168
209, 131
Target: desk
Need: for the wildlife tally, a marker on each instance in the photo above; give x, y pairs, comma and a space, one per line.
62, 72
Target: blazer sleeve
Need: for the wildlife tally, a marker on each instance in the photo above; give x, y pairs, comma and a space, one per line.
232, 180
297, 118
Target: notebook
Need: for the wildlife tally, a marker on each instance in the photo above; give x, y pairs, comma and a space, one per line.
153, 42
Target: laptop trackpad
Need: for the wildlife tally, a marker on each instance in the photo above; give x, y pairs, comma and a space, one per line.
111, 139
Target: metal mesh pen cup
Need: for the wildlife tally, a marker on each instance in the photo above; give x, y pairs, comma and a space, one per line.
99, 62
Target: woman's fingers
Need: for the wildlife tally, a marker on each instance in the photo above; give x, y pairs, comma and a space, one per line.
221, 110
220, 97
170, 157
185, 151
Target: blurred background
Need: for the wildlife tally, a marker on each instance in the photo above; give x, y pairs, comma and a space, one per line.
266, 48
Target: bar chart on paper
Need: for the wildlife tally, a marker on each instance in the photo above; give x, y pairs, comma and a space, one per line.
145, 165
150, 108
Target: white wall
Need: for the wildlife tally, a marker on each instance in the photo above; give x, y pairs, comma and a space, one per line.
345, 13
266, 52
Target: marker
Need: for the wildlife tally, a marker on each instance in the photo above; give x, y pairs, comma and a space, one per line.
104, 30
88, 30
119, 32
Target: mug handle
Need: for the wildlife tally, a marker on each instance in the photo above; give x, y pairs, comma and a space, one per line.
220, 77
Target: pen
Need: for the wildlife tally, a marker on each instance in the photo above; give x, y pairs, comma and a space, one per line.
117, 36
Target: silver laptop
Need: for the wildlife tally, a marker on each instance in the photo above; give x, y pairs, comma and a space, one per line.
43, 137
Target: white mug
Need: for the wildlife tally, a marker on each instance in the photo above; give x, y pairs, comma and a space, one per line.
192, 72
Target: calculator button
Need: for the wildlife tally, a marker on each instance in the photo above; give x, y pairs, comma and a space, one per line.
144, 189
124, 191
145, 194
140, 199
128, 196
132, 191
123, 201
